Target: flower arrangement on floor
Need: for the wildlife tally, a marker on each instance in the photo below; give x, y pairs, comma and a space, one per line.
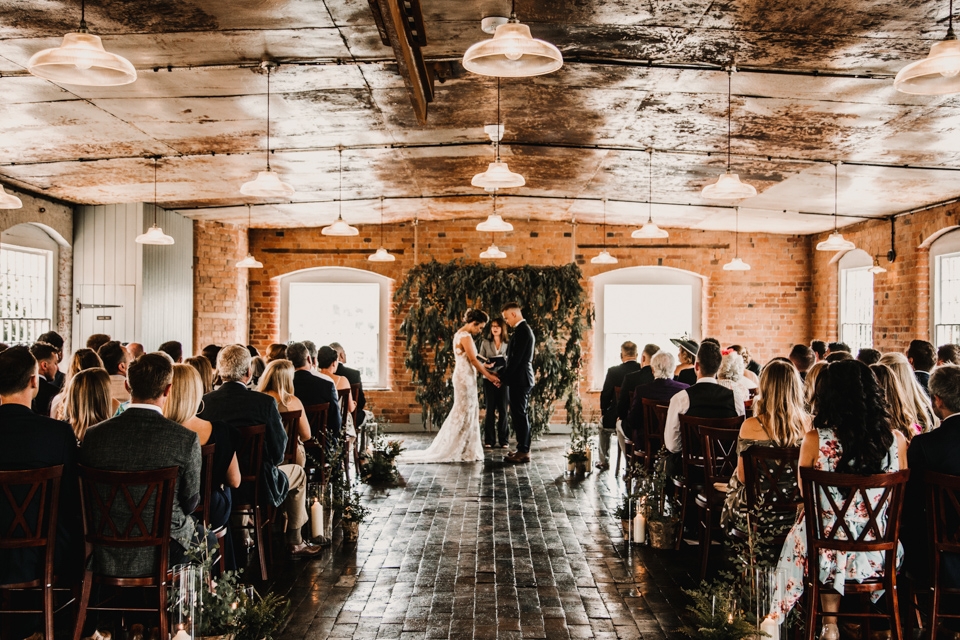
353, 512
661, 511
578, 453
379, 466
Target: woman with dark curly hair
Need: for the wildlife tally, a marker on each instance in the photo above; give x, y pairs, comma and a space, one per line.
852, 434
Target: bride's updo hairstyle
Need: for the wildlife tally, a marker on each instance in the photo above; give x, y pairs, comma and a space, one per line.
475, 315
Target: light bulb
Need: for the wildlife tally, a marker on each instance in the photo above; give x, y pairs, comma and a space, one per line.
83, 65
513, 54
950, 73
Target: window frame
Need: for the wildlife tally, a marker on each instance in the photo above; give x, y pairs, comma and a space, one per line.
856, 260
945, 245
49, 276
345, 275
645, 275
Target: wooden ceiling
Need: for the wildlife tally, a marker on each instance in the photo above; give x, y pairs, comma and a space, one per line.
814, 85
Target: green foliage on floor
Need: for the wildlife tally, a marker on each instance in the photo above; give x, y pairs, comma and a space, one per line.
434, 297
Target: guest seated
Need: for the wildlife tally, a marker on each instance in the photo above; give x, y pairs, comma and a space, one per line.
56, 340
916, 396
81, 359
312, 389
97, 340
47, 361
802, 357
686, 355
751, 368
819, 348
276, 351
253, 351
31, 441
937, 451
325, 355
852, 434
608, 397
948, 354
285, 485
838, 356
202, 365
135, 349
173, 349
705, 399
903, 417
141, 439
731, 376
257, 367
211, 352
277, 382
88, 401
780, 420
810, 386
115, 360
922, 356
869, 356
630, 383
662, 389
353, 377
837, 347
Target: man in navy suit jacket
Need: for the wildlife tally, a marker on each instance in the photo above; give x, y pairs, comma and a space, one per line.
608, 397
518, 376
312, 388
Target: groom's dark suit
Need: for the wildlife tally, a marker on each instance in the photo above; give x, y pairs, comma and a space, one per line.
518, 376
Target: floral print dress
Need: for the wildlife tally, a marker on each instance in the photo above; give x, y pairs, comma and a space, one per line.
835, 566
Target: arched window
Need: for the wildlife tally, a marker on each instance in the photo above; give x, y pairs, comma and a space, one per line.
28, 285
856, 300
945, 288
337, 304
643, 305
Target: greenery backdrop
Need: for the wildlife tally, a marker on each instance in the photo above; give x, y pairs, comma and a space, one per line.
435, 296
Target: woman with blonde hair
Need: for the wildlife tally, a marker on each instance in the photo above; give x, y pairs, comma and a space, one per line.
183, 403
89, 401
903, 417
810, 386
205, 369
277, 382
81, 359
779, 420
915, 396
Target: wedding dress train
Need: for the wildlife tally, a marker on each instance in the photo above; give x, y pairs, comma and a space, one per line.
459, 438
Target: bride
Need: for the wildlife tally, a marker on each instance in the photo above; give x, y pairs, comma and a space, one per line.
459, 438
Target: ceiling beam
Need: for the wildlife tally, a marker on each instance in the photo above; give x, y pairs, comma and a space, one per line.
402, 22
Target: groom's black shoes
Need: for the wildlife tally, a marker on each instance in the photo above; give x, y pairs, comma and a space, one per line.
517, 457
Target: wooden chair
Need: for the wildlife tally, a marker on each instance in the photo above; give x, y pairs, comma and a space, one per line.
361, 432
770, 478
317, 417
651, 437
247, 499
616, 468
874, 536
291, 424
692, 457
943, 516
343, 397
719, 447
207, 452
32, 500
140, 520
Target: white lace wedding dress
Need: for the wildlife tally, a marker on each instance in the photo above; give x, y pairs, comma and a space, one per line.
459, 438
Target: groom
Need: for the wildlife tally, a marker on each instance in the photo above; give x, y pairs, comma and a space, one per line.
518, 376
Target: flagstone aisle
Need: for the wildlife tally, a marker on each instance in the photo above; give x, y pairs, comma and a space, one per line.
488, 550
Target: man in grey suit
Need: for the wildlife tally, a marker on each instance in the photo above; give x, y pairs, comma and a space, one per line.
285, 485
141, 439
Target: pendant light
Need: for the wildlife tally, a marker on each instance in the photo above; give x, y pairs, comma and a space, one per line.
498, 174
737, 264
512, 52
604, 257
649, 231
8, 200
728, 185
249, 262
382, 255
492, 252
938, 73
154, 234
81, 60
876, 268
836, 241
267, 183
494, 223
340, 227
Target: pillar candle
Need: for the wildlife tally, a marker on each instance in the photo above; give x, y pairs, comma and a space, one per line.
316, 519
771, 628
639, 528
182, 635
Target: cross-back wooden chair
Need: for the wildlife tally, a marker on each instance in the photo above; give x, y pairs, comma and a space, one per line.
943, 517
126, 510
207, 453
31, 498
719, 449
650, 438
881, 496
291, 424
770, 478
344, 396
248, 499
317, 417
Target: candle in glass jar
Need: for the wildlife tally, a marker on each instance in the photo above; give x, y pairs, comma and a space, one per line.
771, 628
316, 519
182, 635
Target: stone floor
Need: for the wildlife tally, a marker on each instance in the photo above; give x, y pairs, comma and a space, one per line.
489, 550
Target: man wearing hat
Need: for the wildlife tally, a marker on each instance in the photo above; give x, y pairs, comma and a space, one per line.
687, 353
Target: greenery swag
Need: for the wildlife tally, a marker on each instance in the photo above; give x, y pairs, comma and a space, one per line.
434, 298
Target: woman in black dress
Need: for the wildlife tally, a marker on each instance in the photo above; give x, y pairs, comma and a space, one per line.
495, 419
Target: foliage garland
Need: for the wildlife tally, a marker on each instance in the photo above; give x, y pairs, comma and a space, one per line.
434, 297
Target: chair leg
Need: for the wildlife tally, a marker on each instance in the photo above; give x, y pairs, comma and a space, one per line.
82, 607
48, 611
813, 605
258, 532
894, 603
683, 517
705, 542
164, 616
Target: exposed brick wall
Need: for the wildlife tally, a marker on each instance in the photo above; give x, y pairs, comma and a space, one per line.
220, 289
901, 295
765, 309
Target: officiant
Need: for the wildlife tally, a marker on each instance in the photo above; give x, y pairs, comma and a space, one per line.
493, 351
